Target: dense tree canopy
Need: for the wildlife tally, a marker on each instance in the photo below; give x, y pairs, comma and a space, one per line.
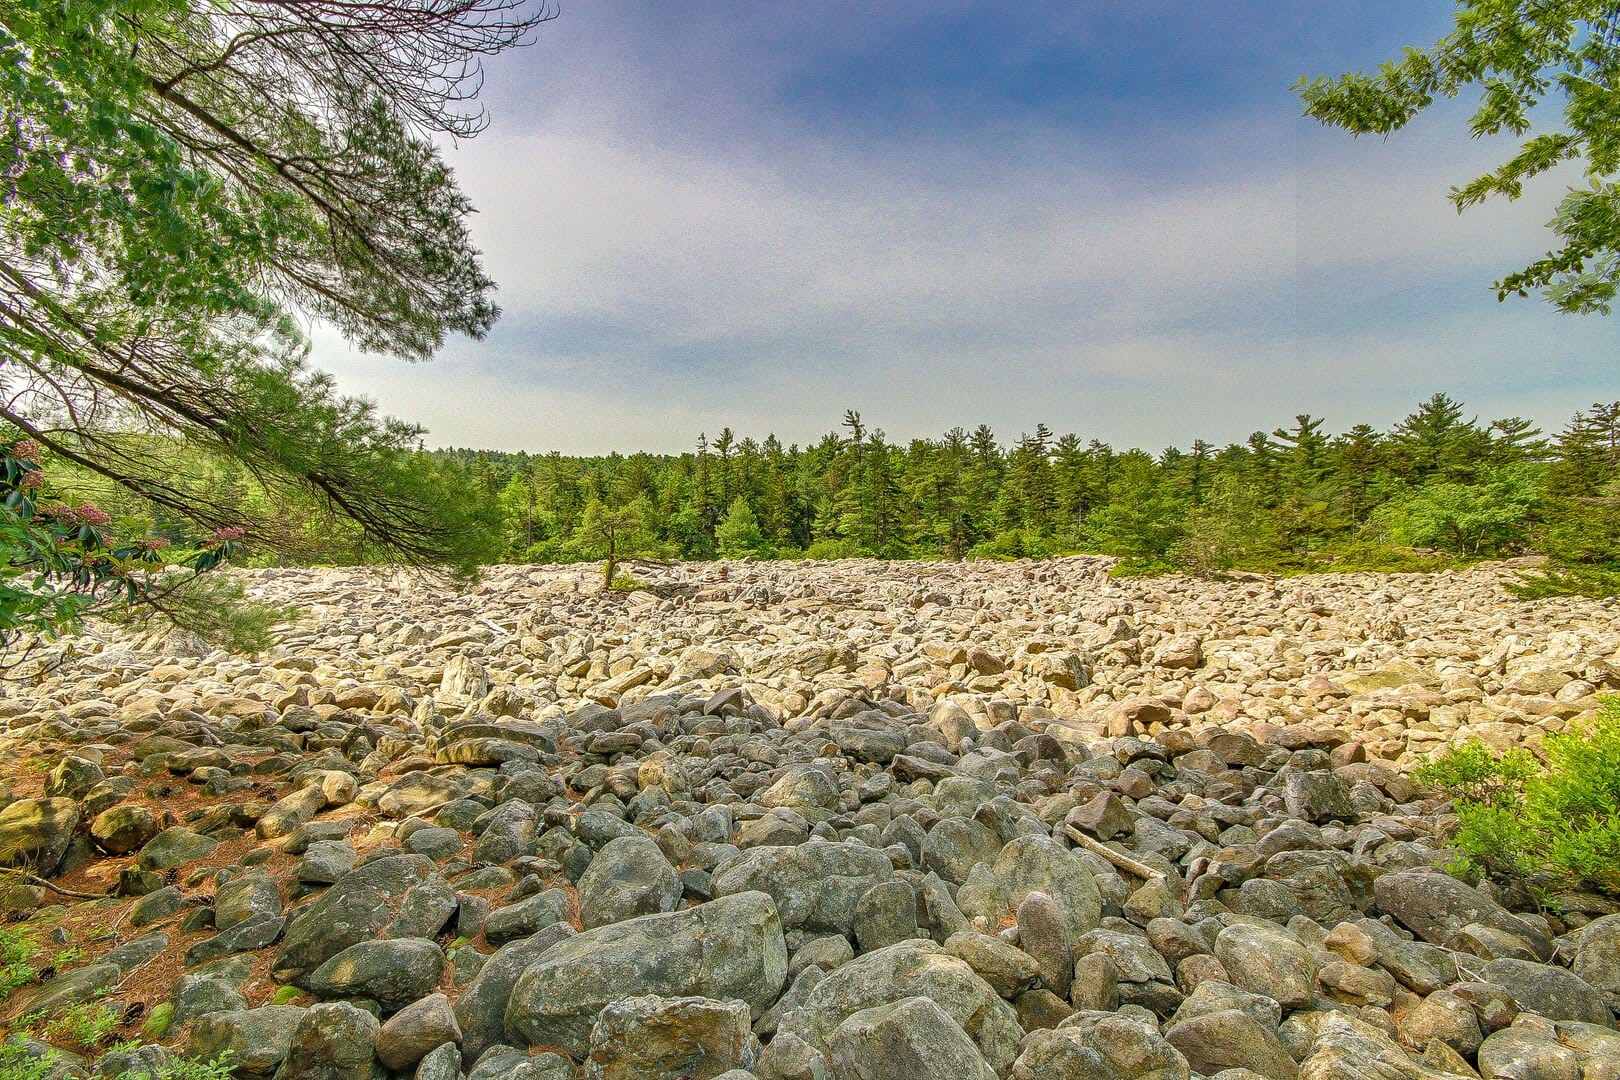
1519, 53
1437, 487
183, 180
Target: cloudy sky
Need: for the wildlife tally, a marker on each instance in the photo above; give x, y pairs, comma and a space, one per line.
1105, 215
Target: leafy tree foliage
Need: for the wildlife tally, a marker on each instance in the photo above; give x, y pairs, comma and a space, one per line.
1558, 824
57, 559
1518, 54
1579, 519
614, 533
1438, 487
183, 179
739, 534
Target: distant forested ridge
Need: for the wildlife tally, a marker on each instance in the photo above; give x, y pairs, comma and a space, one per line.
1440, 486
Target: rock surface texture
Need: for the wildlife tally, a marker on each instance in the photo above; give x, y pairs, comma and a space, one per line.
792, 821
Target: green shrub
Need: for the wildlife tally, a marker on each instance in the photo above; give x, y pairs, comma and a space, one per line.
1561, 820
23, 1061
214, 607
1572, 580
87, 1024
836, 549
220, 1068
1474, 773
157, 1024
17, 953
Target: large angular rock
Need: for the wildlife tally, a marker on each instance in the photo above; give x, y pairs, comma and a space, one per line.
806, 789
910, 969
35, 833
1126, 1047
526, 917
257, 1039
1317, 796
655, 1038
398, 896
1551, 991
416, 793
289, 812
728, 948
910, 1039
245, 897
393, 972
1597, 957
1230, 1039
1528, 1053
956, 845
1436, 906
481, 1008
418, 1028
175, 847
122, 829
1268, 961
629, 877
1344, 1048
1031, 864
816, 886
332, 1041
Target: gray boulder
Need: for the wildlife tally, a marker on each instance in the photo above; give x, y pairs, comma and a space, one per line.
418, 1028
175, 847
1551, 991
816, 886
528, 916
629, 877
35, 833
656, 1038
257, 1039
910, 1039
481, 1009
1597, 957
910, 969
393, 972
1031, 864
1269, 961
1436, 907
332, 1041
1230, 1039
728, 948
397, 896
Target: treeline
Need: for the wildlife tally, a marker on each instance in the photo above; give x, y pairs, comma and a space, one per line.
1437, 487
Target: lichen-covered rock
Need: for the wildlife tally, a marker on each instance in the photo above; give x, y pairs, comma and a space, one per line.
1031, 864
731, 947
656, 1038
397, 896
910, 1039
35, 833
815, 886
910, 969
256, 1039
629, 877
392, 972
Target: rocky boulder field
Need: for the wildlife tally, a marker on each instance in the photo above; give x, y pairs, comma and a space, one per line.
849, 820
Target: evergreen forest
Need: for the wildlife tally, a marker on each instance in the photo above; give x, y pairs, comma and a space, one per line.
1439, 488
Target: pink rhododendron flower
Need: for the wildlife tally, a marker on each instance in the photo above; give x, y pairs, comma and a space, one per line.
26, 450
229, 532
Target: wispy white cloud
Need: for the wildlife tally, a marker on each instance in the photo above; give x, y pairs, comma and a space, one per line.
656, 287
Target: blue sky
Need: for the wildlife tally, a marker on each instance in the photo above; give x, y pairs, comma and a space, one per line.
1107, 217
